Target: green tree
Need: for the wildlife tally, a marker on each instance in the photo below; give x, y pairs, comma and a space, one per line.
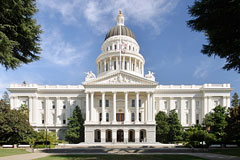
14, 125
233, 124
235, 100
51, 137
219, 20
19, 33
6, 98
162, 128
216, 123
197, 134
75, 132
175, 127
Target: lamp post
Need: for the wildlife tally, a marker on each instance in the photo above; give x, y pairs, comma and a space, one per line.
46, 138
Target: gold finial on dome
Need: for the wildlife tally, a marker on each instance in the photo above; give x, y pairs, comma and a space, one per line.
120, 12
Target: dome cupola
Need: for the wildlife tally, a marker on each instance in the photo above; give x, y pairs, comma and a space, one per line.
120, 51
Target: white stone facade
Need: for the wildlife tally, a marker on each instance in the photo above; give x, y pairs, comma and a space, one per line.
120, 103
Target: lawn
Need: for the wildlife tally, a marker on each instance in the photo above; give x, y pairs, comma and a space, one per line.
9, 152
227, 151
121, 157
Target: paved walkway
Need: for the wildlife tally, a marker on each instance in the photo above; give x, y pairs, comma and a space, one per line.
90, 151
28, 156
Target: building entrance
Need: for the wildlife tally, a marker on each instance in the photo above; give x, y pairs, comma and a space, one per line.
120, 136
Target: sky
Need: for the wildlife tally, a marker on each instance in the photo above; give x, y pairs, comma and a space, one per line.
74, 30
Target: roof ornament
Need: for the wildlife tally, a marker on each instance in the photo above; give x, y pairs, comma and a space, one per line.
150, 76
90, 76
120, 19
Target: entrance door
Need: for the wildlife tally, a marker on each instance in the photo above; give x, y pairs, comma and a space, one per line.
120, 136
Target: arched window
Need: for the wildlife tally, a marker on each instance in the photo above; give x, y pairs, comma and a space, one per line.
115, 47
97, 135
131, 136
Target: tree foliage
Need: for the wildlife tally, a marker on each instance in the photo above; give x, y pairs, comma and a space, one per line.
220, 21
75, 132
196, 134
19, 33
14, 125
233, 127
175, 127
162, 128
216, 122
235, 100
6, 98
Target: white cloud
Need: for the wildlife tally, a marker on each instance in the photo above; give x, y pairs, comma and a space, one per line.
101, 14
61, 52
202, 71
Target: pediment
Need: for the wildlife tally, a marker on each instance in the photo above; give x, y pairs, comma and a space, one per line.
120, 78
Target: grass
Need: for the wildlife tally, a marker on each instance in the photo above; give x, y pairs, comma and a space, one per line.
120, 157
227, 151
9, 152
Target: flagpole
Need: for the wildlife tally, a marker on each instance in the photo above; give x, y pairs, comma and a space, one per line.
120, 48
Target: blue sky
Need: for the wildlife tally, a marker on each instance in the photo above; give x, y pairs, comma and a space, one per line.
74, 31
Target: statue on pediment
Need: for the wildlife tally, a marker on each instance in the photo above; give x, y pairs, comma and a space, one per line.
150, 76
90, 76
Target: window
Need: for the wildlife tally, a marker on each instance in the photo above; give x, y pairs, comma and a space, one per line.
64, 119
129, 48
107, 117
120, 117
115, 46
139, 103
197, 118
133, 103
53, 105
100, 116
133, 68
133, 48
197, 105
176, 104
64, 105
165, 105
107, 103
140, 117
115, 65
186, 118
100, 103
186, 103
42, 118
110, 48
132, 117
125, 67
42, 105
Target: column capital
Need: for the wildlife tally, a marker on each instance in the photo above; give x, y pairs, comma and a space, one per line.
92, 92
103, 92
68, 98
87, 92
126, 92
137, 92
57, 98
114, 92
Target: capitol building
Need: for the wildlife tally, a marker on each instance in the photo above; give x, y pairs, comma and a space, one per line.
120, 102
